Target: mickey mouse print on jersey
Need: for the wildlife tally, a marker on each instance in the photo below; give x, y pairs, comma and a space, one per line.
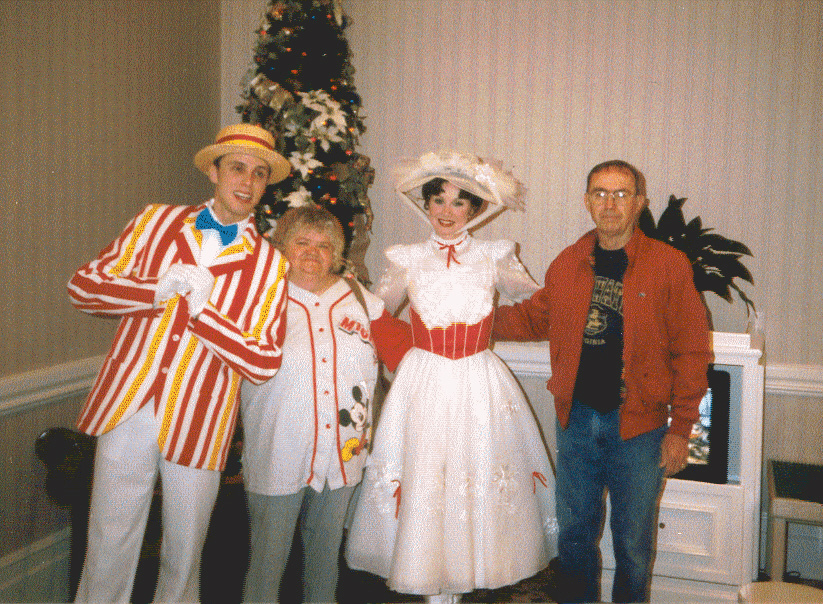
309, 426
358, 417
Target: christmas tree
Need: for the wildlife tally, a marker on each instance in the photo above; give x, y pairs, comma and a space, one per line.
300, 88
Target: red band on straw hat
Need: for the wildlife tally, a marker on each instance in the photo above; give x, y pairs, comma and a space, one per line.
244, 138
229, 140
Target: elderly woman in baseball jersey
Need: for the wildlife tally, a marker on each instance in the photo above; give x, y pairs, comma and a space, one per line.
308, 430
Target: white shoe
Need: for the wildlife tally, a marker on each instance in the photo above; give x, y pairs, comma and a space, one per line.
444, 599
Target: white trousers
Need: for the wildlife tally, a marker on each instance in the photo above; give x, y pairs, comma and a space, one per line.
126, 465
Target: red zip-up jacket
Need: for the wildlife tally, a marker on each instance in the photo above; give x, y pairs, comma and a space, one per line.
666, 348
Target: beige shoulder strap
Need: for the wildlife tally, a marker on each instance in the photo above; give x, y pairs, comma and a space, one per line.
358, 293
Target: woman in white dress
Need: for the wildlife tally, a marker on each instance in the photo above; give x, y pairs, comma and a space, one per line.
459, 490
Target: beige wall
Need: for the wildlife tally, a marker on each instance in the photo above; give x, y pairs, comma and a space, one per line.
103, 102
715, 101
102, 105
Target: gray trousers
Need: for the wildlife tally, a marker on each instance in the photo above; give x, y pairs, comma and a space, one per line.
273, 523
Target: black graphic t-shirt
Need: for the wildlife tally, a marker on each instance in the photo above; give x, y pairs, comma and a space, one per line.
601, 361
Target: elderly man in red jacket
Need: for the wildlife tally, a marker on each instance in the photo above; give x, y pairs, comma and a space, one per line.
200, 297
629, 346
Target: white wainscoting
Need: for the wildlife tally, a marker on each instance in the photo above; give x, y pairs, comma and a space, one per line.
39, 572
25, 574
532, 360
797, 380
20, 391
24, 390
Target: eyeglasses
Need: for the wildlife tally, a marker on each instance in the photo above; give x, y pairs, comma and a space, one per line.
601, 195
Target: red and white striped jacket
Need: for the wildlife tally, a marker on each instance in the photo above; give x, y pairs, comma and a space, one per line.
190, 369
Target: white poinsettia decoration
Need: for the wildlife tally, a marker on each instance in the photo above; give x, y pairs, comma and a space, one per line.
326, 135
298, 198
310, 106
303, 163
292, 129
333, 112
316, 99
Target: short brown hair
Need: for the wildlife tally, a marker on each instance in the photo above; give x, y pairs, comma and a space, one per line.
619, 164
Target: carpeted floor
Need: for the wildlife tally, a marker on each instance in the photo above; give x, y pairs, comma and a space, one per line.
225, 559
357, 587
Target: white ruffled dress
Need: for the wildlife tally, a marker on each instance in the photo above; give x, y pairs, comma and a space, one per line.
459, 490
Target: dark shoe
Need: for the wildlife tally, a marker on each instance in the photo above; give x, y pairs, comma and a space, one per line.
562, 586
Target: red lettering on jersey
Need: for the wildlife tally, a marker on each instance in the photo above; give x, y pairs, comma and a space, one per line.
351, 326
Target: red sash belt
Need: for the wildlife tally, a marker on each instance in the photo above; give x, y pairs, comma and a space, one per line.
456, 341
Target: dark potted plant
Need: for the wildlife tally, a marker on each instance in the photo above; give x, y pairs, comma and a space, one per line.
716, 260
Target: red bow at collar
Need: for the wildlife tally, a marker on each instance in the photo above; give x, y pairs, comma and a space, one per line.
451, 255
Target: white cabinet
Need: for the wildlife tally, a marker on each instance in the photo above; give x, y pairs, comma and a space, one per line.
708, 534
698, 535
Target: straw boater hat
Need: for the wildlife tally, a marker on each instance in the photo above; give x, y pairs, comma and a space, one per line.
486, 178
248, 139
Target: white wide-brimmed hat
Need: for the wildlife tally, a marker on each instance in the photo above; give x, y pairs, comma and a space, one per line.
485, 178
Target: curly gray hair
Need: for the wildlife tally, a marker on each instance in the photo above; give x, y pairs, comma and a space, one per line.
310, 218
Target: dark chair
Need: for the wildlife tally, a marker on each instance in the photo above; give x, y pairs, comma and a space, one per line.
69, 459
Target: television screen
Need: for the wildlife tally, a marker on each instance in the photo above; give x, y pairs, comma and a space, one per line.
709, 441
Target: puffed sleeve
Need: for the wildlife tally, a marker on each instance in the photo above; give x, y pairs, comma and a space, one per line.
513, 281
392, 285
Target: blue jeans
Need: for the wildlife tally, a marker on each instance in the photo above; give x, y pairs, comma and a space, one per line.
592, 457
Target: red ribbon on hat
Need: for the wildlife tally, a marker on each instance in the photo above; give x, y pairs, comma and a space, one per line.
233, 138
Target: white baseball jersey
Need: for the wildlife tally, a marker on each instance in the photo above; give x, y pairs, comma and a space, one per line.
311, 423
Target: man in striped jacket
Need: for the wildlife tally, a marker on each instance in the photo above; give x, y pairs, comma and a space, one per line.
200, 296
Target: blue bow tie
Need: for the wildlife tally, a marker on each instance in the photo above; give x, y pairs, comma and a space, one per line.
206, 221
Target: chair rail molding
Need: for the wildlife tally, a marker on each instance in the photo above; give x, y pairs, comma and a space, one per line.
796, 380
22, 391
531, 359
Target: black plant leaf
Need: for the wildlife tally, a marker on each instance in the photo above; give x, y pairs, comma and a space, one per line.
716, 260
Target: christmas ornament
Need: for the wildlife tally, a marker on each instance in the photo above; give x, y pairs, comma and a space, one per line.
300, 88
